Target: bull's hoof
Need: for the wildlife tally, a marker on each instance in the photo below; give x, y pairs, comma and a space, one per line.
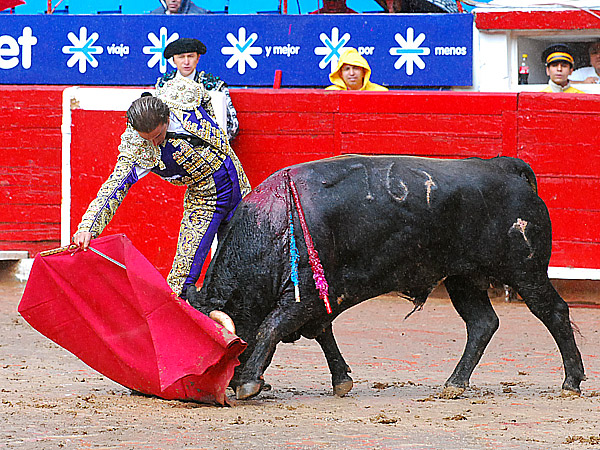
248, 390
572, 384
570, 393
341, 389
452, 392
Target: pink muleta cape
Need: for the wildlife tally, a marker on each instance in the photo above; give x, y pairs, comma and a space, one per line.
121, 318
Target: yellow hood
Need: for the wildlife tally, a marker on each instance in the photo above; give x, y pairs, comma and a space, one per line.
351, 56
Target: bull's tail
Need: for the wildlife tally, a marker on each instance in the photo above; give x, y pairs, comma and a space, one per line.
519, 167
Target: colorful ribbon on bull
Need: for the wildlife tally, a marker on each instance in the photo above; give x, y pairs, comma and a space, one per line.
313, 256
294, 258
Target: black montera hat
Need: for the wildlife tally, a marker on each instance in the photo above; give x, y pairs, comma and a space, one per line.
184, 45
558, 52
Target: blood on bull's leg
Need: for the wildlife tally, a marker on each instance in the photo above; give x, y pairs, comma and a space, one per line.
341, 381
547, 305
474, 307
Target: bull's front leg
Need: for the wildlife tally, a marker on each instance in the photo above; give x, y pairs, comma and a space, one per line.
281, 322
341, 381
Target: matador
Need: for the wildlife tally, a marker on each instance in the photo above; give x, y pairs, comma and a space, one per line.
174, 135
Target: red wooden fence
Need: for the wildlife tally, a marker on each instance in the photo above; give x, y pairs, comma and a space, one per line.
555, 134
30, 165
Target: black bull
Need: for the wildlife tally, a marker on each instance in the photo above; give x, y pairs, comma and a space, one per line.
383, 224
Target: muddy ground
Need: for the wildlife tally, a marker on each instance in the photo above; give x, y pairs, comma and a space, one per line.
50, 399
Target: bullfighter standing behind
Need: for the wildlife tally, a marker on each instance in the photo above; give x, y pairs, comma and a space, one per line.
175, 136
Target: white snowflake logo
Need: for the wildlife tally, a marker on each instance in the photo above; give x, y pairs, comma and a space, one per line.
410, 51
241, 50
158, 47
332, 48
82, 50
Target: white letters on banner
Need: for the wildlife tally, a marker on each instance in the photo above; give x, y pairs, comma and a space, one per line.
9, 49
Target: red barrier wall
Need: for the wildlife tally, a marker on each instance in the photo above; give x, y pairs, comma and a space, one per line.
558, 136
30, 164
555, 134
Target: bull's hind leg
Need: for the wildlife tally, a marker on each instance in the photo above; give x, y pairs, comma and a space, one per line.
474, 307
342, 382
548, 306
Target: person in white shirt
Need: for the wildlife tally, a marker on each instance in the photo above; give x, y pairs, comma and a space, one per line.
591, 73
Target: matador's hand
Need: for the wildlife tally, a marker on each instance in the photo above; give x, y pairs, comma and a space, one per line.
82, 239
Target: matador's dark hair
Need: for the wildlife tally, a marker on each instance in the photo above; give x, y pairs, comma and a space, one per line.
147, 113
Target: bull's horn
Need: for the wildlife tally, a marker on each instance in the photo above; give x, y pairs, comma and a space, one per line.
223, 319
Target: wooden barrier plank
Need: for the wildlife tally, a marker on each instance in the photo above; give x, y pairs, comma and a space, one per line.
28, 232
548, 160
262, 155
451, 125
43, 138
575, 254
24, 97
427, 102
566, 192
30, 119
576, 225
285, 122
509, 133
278, 100
558, 103
32, 247
30, 196
34, 159
422, 144
547, 128
42, 213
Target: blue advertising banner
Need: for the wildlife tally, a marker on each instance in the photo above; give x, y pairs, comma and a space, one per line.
245, 50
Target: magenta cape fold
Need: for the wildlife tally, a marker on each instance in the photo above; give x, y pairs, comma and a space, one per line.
127, 324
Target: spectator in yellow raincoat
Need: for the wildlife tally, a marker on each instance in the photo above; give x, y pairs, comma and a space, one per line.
352, 74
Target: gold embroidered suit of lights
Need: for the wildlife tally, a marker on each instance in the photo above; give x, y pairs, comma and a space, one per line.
207, 132
109, 197
138, 149
199, 205
199, 162
182, 93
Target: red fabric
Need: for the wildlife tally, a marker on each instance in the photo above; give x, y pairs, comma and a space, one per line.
6, 4
127, 323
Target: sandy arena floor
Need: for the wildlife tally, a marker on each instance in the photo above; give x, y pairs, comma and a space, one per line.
50, 399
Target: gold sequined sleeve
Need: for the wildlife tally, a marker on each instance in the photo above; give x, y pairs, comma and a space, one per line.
109, 197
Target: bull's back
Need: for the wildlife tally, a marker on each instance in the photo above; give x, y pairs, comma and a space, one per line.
377, 211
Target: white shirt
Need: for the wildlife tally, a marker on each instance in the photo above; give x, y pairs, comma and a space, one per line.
583, 73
